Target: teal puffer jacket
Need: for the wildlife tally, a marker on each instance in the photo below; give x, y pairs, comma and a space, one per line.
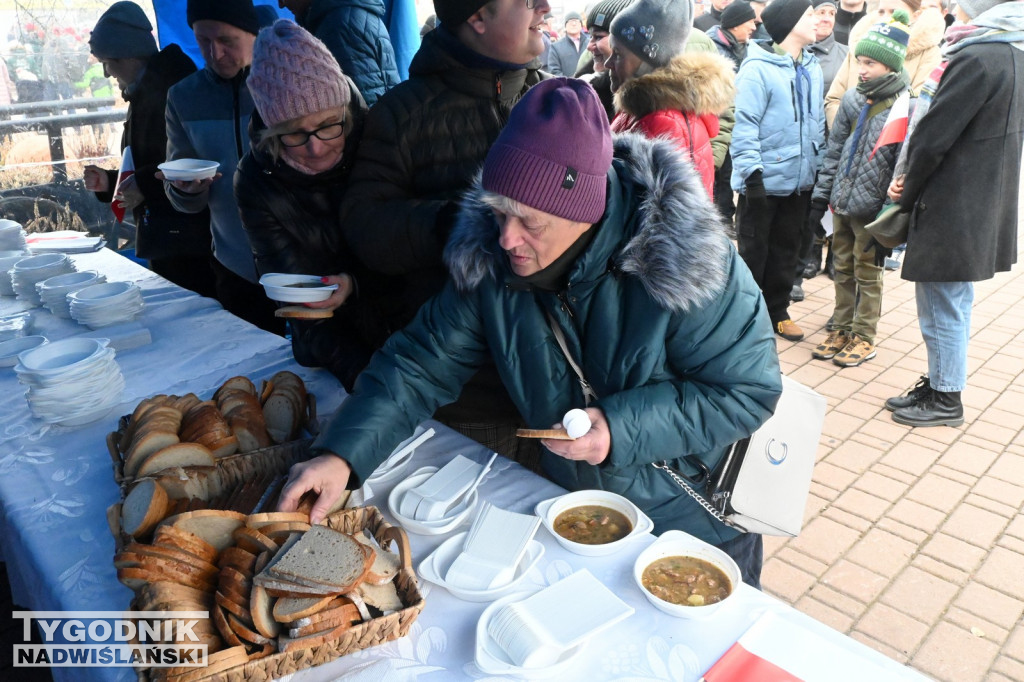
661, 313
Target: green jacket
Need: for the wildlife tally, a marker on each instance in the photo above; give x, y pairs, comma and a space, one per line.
660, 311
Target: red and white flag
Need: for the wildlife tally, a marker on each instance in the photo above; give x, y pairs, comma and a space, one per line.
895, 129
127, 169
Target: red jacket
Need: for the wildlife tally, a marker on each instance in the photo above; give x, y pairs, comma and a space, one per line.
680, 102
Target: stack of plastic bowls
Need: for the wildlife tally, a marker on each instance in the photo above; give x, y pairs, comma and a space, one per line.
12, 237
8, 259
30, 271
54, 291
71, 382
102, 305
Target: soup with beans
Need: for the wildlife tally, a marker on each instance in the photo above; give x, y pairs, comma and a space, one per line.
592, 525
687, 581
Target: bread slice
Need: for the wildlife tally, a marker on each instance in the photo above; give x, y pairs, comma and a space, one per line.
385, 564
177, 455
549, 434
291, 609
346, 615
225, 630
383, 597
182, 539
171, 554
261, 606
263, 518
215, 526
144, 507
240, 382
342, 609
285, 644
324, 556
192, 483
237, 558
280, 415
144, 447
252, 540
216, 663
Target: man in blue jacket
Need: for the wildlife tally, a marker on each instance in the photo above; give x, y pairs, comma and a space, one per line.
777, 145
355, 33
625, 258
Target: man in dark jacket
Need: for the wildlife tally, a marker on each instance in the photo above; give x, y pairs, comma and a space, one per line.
208, 118
565, 53
712, 18
355, 33
624, 261
731, 36
177, 245
961, 184
424, 141
848, 14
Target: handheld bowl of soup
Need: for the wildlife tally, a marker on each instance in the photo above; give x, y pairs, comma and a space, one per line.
593, 522
684, 576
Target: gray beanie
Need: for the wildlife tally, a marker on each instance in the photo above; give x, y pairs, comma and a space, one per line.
654, 30
602, 14
975, 7
123, 32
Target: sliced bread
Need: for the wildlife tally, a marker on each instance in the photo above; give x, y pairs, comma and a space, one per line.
324, 556
144, 507
176, 455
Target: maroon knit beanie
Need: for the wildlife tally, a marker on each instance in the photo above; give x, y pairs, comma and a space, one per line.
555, 151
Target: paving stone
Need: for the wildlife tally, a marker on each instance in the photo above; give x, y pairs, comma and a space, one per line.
1014, 645
954, 654
881, 486
974, 525
911, 458
835, 619
884, 429
995, 433
919, 594
832, 476
862, 504
825, 539
858, 523
1002, 570
802, 561
1000, 491
1011, 543
1008, 669
953, 475
855, 457
785, 581
859, 408
1009, 468
917, 515
971, 459
990, 604
979, 626
1016, 527
772, 545
880, 647
882, 552
963, 556
862, 584
895, 474
1005, 418
937, 492
841, 426
889, 625
914, 536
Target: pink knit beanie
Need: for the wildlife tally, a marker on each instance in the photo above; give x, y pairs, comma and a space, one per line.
293, 74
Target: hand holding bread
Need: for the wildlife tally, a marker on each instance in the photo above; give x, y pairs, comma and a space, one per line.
592, 447
326, 475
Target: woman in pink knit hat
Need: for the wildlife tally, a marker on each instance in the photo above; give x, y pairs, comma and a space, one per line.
304, 132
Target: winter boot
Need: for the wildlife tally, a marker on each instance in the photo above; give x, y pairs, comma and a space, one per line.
936, 408
910, 397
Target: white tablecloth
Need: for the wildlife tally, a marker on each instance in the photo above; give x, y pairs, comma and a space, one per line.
56, 484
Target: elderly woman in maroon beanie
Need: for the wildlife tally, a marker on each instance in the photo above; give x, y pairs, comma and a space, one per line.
289, 186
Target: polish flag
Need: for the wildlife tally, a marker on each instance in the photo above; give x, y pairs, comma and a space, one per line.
127, 169
895, 129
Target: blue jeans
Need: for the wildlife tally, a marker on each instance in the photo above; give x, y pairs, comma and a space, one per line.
944, 315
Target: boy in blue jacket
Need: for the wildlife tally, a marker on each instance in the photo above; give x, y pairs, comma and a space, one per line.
777, 145
854, 179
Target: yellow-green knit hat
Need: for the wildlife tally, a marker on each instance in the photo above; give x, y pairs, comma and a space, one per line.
887, 42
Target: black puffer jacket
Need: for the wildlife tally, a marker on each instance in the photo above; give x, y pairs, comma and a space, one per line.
162, 232
291, 220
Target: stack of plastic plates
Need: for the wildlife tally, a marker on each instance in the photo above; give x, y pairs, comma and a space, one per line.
54, 291
28, 272
102, 305
8, 259
12, 237
71, 382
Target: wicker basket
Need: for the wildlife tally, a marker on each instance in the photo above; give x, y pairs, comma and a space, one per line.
362, 636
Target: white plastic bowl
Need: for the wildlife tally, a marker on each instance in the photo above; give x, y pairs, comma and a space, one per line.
189, 169
435, 567
107, 292
69, 279
439, 527
279, 288
678, 543
549, 510
61, 356
6, 224
10, 350
46, 260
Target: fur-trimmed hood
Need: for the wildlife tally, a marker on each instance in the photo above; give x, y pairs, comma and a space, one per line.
925, 33
695, 82
675, 245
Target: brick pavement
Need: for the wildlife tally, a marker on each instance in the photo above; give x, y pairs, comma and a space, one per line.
914, 538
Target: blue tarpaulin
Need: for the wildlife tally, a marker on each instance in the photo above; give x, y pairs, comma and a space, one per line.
400, 16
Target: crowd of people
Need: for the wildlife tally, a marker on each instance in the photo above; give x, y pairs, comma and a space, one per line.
527, 225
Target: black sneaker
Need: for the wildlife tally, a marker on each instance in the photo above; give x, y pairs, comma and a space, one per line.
797, 293
912, 396
937, 408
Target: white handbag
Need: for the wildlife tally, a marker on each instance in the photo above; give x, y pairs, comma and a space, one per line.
761, 485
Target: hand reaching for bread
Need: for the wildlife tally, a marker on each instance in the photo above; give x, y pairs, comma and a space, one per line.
592, 447
346, 285
326, 475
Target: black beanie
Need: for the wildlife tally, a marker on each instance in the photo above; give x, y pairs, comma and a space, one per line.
736, 13
781, 16
451, 13
601, 14
239, 13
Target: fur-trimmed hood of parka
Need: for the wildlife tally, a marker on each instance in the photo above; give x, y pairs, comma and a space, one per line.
671, 237
696, 82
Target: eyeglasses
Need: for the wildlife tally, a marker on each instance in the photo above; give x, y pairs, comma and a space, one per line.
530, 4
331, 131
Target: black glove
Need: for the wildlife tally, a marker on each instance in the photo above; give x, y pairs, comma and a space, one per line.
816, 213
881, 252
755, 188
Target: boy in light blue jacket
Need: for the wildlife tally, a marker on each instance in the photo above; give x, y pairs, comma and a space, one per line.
777, 145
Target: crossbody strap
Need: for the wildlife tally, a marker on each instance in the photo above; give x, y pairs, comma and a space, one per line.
589, 395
